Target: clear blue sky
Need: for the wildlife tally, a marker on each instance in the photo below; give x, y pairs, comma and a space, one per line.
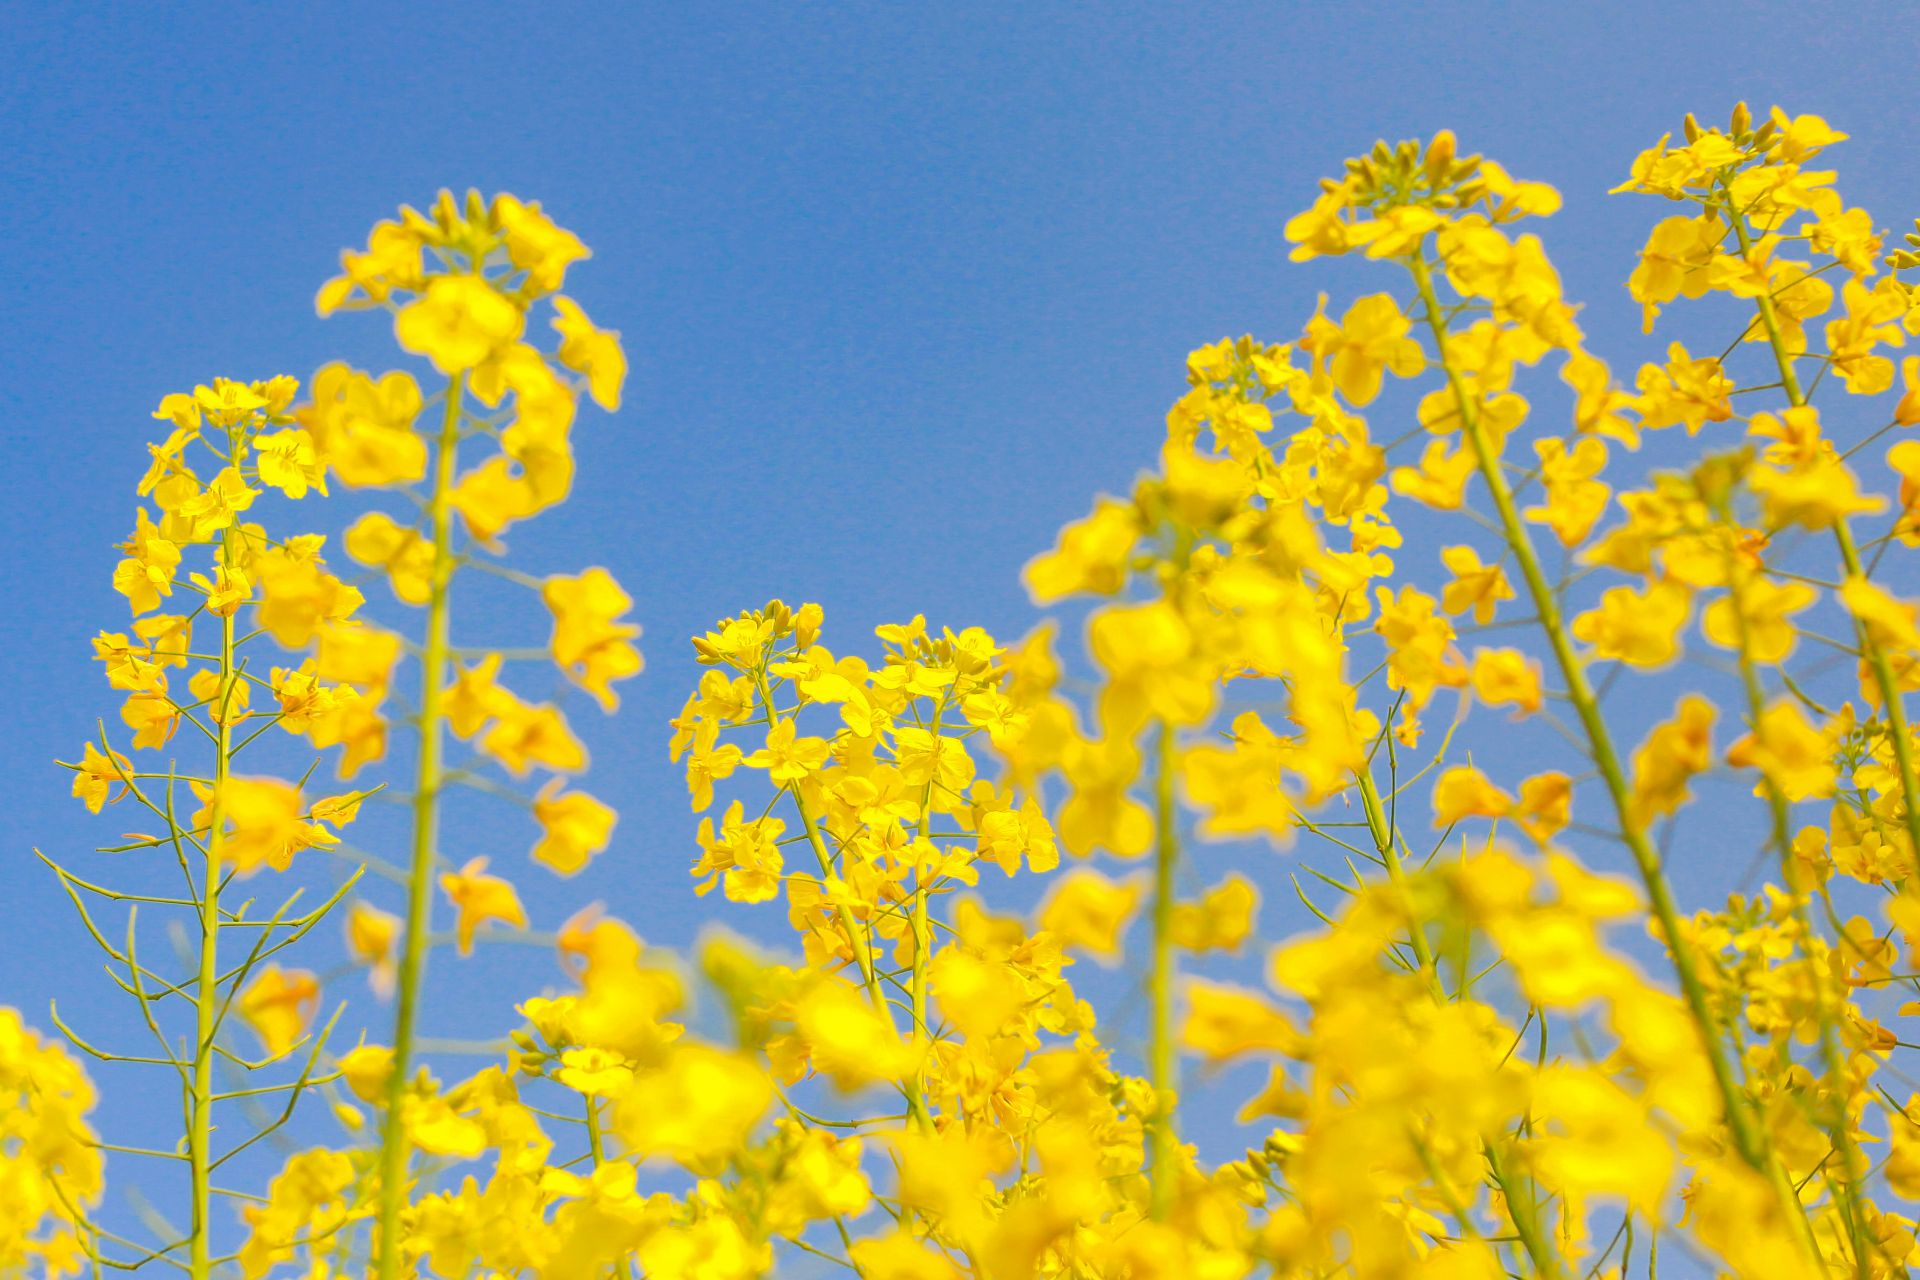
903, 286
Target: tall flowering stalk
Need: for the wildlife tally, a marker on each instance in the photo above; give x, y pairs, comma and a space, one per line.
228, 444
461, 284
871, 802
1442, 215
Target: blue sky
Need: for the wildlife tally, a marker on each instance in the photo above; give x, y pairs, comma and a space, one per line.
903, 287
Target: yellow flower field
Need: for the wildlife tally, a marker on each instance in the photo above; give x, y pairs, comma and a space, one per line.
1026, 981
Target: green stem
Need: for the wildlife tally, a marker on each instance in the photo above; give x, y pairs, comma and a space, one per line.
1162, 1061
1383, 843
1545, 1260
862, 949
395, 1145
923, 934
1883, 676
594, 1143
1835, 1122
1523, 1210
1838, 1124
1748, 1137
207, 1002
596, 1146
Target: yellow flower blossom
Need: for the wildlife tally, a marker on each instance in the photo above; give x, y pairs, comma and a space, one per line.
1476, 588
1794, 756
1088, 912
480, 899
1674, 264
1672, 755
574, 826
219, 504
266, 822
1506, 677
1092, 555
1758, 618
535, 243
98, 774
1223, 1023
457, 322
363, 428
1545, 806
590, 643
1638, 627
787, 757
371, 936
848, 1040
279, 1004
1220, 921
377, 540
1371, 339
522, 735
288, 461
146, 576
1464, 792
1576, 498
594, 352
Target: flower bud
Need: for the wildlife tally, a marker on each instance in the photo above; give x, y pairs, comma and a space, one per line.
806, 624
1907, 412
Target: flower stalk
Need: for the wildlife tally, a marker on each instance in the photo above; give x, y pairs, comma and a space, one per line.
395, 1143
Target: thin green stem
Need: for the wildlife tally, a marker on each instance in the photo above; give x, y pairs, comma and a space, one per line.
859, 942
1383, 842
1162, 1058
1883, 676
395, 1145
206, 1000
1748, 1137
1836, 1120
1524, 1211
923, 934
